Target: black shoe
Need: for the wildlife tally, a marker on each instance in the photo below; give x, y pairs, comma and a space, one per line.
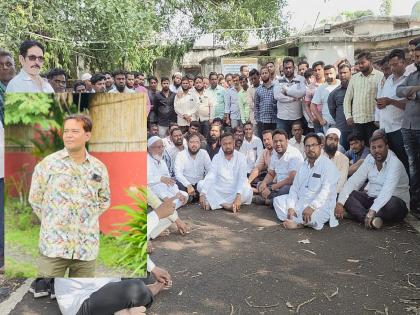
52, 290
39, 287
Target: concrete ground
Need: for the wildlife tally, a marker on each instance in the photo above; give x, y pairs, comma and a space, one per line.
246, 263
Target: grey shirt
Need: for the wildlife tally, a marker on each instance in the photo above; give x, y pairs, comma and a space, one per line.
411, 118
335, 106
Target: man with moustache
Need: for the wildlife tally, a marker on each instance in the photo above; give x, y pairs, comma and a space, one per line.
298, 137
98, 83
213, 141
357, 153
226, 185
205, 105
170, 154
341, 162
31, 57
387, 196
335, 104
360, 99
302, 67
57, 78
120, 83
69, 191
262, 164
7, 72
185, 106
319, 105
164, 107
232, 103
254, 79
251, 147
109, 81
191, 165
284, 163
312, 197
265, 104
217, 93
175, 87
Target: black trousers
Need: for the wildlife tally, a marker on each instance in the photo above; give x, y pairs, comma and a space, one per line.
396, 144
183, 188
365, 130
116, 296
359, 203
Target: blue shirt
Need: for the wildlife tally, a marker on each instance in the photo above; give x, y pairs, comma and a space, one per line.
265, 109
232, 103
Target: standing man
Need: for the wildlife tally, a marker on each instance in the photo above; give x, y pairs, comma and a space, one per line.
205, 112
319, 106
57, 78
119, 82
359, 102
109, 81
226, 185
288, 92
185, 106
271, 70
311, 199
254, 78
85, 78
31, 57
217, 93
410, 89
302, 67
411, 48
265, 104
390, 108
69, 191
130, 80
164, 107
175, 87
244, 70
7, 72
232, 110
98, 83
336, 101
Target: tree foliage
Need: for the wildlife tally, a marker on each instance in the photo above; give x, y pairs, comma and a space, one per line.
386, 7
102, 35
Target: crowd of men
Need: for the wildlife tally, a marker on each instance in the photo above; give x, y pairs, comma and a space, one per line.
315, 142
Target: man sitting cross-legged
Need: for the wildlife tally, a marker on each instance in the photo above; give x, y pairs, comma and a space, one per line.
226, 185
191, 165
387, 193
311, 198
283, 166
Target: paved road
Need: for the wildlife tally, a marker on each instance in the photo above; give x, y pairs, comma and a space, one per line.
247, 263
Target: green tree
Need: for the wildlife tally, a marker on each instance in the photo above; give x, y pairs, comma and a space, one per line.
102, 35
351, 15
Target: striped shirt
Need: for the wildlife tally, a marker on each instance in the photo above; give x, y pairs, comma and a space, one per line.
265, 110
359, 102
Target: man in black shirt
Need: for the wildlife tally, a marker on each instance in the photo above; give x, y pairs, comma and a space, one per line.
213, 142
164, 107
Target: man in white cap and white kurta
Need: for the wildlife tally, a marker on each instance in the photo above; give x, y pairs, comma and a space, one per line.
341, 162
226, 185
311, 199
161, 184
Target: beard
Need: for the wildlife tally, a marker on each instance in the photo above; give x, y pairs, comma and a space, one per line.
199, 90
193, 152
120, 88
331, 149
228, 151
212, 140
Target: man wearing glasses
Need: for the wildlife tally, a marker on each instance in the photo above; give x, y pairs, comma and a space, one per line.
31, 57
311, 199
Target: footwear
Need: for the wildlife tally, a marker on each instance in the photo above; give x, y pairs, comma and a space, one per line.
39, 287
52, 290
377, 223
258, 200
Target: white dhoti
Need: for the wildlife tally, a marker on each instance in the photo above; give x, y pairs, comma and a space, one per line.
164, 191
217, 197
318, 217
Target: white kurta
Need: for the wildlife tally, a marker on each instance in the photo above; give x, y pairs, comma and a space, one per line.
290, 161
155, 170
252, 151
315, 187
226, 179
188, 170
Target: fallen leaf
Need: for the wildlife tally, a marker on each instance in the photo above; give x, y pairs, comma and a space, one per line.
180, 293
353, 260
260, 228
408, 251
289, 305
309, 251
305, 241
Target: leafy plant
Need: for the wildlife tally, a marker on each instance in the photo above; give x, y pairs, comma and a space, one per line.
133, 237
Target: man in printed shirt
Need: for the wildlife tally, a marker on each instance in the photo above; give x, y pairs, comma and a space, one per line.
69, 191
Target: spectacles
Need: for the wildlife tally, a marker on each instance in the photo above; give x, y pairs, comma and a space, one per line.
309, 146
33, 58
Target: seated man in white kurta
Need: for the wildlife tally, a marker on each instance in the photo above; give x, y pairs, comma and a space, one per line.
158, 178
191, 165
311, 199
226, 185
